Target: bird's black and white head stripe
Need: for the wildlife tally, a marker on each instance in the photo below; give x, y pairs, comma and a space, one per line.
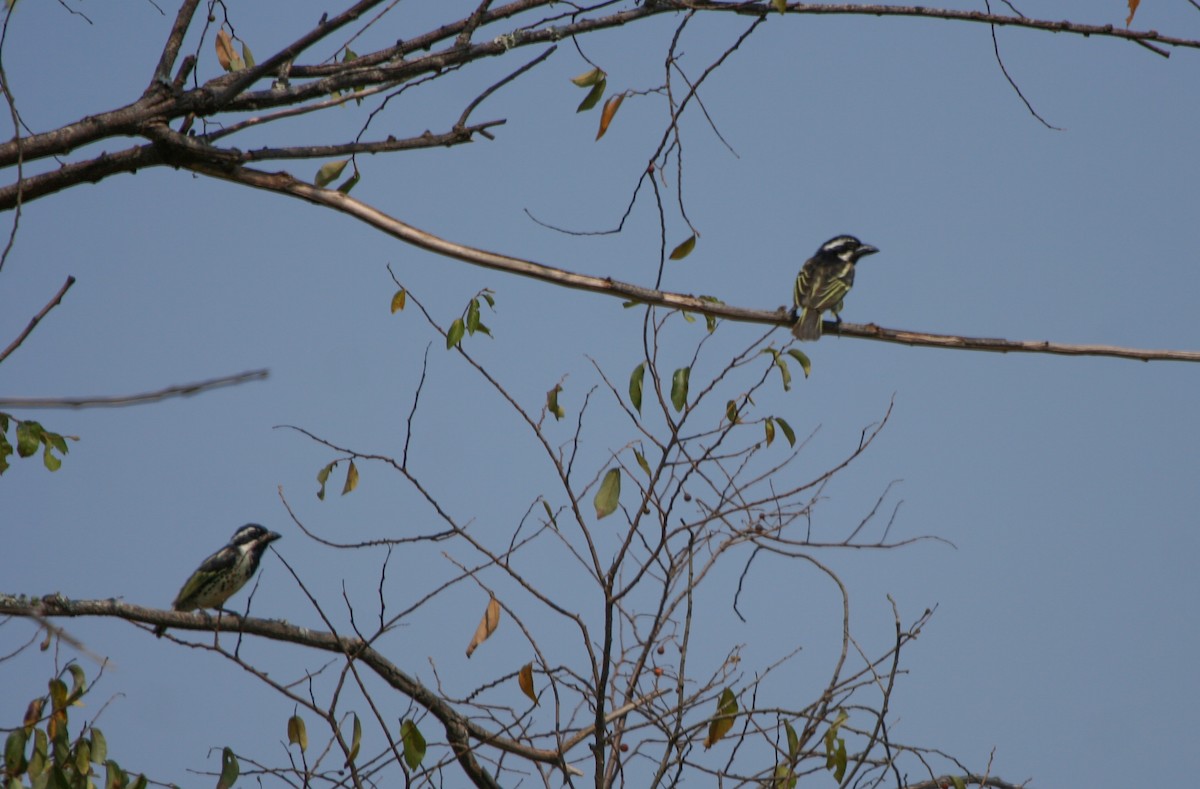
845, 248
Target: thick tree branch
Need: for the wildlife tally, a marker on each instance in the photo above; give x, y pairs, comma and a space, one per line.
460, 730
162, 72
92, 170
284, 183
162, 103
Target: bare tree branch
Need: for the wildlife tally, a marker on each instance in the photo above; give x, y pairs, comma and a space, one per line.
54, 302
183, 390
284, 183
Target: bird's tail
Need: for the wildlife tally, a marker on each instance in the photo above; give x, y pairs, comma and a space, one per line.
809, 326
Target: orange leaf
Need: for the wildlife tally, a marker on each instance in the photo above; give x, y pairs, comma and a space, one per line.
610, 109
525, 680
1133, 6
487, 625
225, 51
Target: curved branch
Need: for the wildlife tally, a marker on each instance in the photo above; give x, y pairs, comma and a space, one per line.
284, 183
460, 730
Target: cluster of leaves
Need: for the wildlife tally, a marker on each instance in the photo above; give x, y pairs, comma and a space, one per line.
228, 56
411, 739
469, 323
596, 81
29, 436
41, 751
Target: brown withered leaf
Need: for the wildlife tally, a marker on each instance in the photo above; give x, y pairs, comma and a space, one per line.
487, 626
525, 680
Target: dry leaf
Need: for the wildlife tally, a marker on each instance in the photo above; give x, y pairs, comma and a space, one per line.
525, 680
487, 625
225, 51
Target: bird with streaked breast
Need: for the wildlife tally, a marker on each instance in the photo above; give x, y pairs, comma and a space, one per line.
824, 281
221, 575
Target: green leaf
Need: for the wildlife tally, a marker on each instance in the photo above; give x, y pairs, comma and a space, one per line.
805, 362
784, 777
788, 433
29, 436
722, 722
784, 372
140, 782
769, 428
6, 449
41, 751
51, 462
83, 757
351, 479
356, 741
14, 752
635, 386
641, 461
835, 748
609, 494
711, 320
398, 301
472, 322
349, 55
323, 477
229, 769
329, 171
99, 746
958, 782
414, 744
487, 296
793, 740
839, 761
589, 78
780, 5
297, 732
552, 402
679, 387
56, 441
114, 776
455, 335
685, 248
593, 97
731, 412
350, 183
247, 55
78, 681
550, 513
58, 694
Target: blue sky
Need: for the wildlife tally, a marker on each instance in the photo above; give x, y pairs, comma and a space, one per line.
1064, 632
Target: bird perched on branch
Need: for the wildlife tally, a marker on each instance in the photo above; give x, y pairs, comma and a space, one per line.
221, 575
824, 281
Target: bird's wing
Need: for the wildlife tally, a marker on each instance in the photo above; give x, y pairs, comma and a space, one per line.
819, 287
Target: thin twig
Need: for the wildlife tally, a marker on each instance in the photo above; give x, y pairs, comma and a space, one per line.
184, 390
37, 318
1013, 83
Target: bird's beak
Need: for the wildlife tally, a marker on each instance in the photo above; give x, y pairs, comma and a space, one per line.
272, 536
866, 249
